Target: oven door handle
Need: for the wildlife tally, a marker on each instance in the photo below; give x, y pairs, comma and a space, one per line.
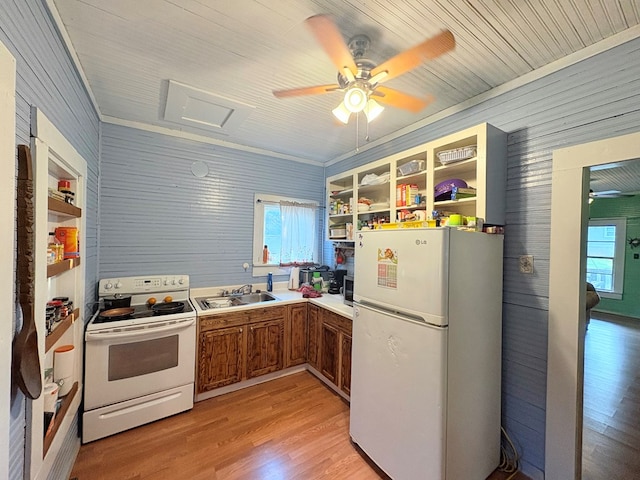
136, 332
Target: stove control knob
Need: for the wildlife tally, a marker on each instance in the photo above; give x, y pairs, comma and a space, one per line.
119, 285
108, 286
173, 282
166, 282
181, 281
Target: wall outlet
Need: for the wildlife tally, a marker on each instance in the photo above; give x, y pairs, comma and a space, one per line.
526, 263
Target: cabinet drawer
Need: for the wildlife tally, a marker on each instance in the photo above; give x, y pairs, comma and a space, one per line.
338, 321
223, 320
265, 314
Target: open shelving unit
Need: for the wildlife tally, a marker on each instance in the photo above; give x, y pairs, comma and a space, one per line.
54, 159
421, 169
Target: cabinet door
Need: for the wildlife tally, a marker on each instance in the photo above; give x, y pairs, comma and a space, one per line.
330, 351
345, 363
313, 351
265, 347
219, 358
296, 335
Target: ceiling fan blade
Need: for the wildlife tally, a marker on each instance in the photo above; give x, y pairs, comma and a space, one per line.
395, 98
411, 58
296, 92
330, 38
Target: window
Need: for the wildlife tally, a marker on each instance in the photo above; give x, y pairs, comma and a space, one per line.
288, 228
605, 255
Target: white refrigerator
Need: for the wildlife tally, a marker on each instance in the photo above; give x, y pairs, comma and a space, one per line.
426, 358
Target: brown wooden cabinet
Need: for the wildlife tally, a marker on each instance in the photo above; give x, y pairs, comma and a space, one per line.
264, 347
235, 346
313, 348
296, 335
345, 363
329, 355
220, 358
335, 349
244, 344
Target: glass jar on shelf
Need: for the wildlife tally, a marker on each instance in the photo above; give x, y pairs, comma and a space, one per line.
55, 249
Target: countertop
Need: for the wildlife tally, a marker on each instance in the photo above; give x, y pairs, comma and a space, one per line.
335, 303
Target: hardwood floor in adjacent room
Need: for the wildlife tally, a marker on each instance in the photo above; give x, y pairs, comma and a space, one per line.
292, 428
611, 433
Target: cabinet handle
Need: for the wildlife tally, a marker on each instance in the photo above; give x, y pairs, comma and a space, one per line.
240, 330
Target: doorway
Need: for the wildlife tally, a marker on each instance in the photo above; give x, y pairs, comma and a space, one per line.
565, 357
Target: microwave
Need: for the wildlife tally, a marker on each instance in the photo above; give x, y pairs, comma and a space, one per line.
347, 289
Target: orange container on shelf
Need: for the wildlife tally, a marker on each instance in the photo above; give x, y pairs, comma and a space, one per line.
64, 185
68, 236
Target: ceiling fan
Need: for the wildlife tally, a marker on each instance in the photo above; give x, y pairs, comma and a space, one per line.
360, 79
609, 194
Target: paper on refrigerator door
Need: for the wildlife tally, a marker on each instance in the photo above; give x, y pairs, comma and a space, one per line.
387, 268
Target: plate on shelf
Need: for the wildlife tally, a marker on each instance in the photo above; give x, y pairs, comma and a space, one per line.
379, 206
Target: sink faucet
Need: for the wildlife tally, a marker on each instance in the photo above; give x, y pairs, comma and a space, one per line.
243, 290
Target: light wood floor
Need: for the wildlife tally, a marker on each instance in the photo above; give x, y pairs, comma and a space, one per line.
611, 433
293, 428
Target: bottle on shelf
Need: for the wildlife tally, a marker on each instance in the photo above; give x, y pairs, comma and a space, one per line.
269, 282
55, 249
265, 254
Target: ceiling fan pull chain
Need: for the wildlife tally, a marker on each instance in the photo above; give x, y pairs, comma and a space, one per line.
357, 131
366, 137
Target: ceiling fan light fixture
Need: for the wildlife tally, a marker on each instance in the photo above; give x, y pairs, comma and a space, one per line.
373, 110
342, 113
355, 99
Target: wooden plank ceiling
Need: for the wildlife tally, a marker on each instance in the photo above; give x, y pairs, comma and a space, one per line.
243, 50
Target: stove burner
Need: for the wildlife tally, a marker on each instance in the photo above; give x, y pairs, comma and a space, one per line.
143, 311
167, 308
114, 314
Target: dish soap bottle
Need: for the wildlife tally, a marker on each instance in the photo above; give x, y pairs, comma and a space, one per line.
269, 282
317, 281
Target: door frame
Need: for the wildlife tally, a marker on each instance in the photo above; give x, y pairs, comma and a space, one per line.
567, 296
7, 242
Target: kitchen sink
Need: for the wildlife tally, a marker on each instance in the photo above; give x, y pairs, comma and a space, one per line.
234, 300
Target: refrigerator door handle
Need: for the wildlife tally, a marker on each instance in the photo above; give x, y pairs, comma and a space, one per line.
407, 317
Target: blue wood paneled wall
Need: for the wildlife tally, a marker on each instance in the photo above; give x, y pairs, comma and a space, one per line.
158, 218
591, 100
47, 79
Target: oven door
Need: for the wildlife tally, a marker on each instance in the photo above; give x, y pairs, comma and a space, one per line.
130, 362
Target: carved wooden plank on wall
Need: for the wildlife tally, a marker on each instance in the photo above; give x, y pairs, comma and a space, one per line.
26, 362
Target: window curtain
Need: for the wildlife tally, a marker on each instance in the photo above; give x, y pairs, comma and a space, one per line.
298, 233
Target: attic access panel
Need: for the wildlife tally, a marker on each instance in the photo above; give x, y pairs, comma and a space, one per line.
190, 106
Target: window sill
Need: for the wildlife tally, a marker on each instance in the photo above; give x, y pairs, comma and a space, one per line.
263, 270
611, 295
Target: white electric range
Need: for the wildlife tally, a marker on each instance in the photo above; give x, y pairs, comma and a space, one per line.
140, 362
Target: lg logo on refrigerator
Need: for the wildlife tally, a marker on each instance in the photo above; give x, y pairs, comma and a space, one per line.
421, 242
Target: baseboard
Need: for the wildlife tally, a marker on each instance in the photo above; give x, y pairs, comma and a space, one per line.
250, 382
534, 473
